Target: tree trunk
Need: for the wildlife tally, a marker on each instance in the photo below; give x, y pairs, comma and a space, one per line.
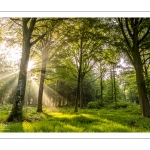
112, 87
16, 113
124, 90
41, 87
27, 28
77, 94
143, 99
134, 55
115, 92
43, 71
81, 90
79, 78
59, 102
145, 69
101, 85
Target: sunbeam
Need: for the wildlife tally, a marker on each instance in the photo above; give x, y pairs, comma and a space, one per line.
8, 90
51, 98
7, 75
56, 98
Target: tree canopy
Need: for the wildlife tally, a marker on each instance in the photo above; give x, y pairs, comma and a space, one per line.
78, 62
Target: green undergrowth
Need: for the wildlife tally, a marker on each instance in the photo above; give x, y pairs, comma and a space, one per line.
110, 119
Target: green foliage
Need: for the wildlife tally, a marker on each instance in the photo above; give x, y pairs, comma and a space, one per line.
92, 105
87, 120
101, 43
118, 105
95, 105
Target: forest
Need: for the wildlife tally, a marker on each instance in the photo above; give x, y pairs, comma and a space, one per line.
74, 74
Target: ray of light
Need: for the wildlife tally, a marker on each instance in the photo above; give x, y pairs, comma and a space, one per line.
50, 96
7, 75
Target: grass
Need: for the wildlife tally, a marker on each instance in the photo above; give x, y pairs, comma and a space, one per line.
87, 120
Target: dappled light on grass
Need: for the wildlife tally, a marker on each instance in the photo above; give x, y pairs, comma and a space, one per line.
3, 127
27, 127
14, 127
105, 125
65, 120
61, 122
61, 115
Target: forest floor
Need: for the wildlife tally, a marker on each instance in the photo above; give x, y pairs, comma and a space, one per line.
86, 120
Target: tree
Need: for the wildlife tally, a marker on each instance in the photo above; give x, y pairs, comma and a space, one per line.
85, 41
49, 46
28, 25
135, 32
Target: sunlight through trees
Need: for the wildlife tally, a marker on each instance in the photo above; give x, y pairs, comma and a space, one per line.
74, 62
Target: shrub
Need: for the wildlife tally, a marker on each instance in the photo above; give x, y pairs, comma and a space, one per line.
94, 105
121, 105
118, 105
100, 104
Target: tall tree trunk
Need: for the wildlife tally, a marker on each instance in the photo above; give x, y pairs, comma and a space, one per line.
43, 71
143, 99
77, 93
81, 90
124, 90
27, 28
41, 86
29, 94
16, 113
134, 55
145, 70
115, 92
59, 102
79, 78
112, 87
101, 87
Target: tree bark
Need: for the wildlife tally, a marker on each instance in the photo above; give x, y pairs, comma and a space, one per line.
43, 71
143, 99
101, 87
16, 113
112, 86
133, 52
27, 28
59, 102
115, 91
77, 94
81, 90
79, 78
41, 86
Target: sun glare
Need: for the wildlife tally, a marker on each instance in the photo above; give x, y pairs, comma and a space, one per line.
13, 54
30, 65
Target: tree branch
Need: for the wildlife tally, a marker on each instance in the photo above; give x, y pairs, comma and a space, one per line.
123, 32
130, 56
129, 31
15, 21
26, 20
141, 20
144, 36
39, 38
32, 24
145, 60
